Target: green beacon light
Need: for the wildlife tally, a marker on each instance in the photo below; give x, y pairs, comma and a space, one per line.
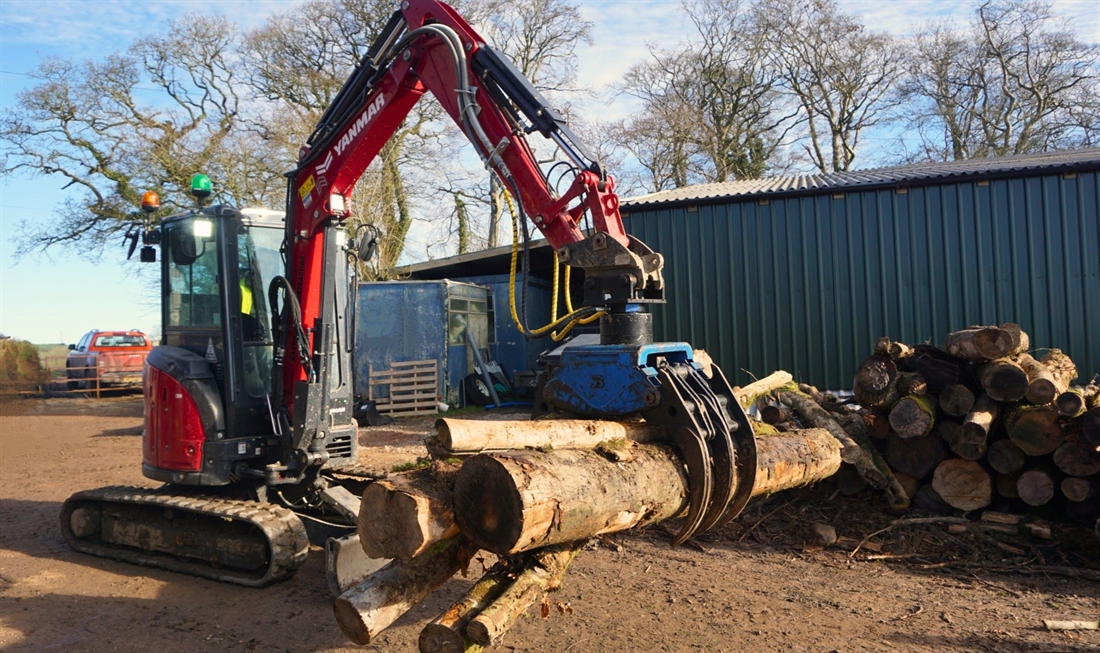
201, 187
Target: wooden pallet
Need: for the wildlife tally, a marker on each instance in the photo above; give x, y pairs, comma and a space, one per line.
413, 385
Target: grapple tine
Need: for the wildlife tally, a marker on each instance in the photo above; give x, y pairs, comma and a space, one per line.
744, 442
700, 481
724, 479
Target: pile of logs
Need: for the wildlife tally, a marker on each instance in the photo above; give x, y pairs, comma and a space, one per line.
533, 493
983, 422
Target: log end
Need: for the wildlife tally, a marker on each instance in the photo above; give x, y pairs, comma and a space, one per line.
963, 484
350, 621
437, 638
487, 505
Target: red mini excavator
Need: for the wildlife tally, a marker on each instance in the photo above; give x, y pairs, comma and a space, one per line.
248, 401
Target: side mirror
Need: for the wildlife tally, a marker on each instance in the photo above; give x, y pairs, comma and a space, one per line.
72, 347
184, 247
367, 249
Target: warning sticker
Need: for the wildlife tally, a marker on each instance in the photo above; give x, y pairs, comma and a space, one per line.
305, 190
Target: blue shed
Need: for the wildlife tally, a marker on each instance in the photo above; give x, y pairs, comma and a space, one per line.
401, 321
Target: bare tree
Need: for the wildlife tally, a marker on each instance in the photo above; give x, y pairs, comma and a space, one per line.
711, 110
87, 124
841, 74
1016, 81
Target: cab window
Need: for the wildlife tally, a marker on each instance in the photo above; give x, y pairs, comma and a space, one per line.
193, 299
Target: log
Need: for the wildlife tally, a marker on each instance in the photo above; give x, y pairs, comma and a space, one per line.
938, 368
748, 395
1042, 387
887, 347
809, 409
1090, 425
543, 573
963, 484
381, 598
466, 436
1061, 367
914, 456
1071, 403
986, 343
878, 424
912, 383
1005, 457
913, 416
1079, 489
1003, 379
1077, 457
973, 435
1006, 485
401, 516
447, 632
875, 382
951, 432
516, 501
910, 483
928, 499
1083, 511
774, 414
956, 400
1035, 487
1035, 429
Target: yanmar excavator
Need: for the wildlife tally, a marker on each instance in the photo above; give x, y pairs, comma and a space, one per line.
248, 401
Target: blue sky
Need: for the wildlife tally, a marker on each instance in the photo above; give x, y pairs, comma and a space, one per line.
58, 298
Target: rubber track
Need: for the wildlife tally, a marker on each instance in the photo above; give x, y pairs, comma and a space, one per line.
285, 533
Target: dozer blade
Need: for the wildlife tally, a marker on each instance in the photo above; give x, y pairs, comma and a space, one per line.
241, 542
346, 563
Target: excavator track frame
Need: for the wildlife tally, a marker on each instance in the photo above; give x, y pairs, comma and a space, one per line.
277, 529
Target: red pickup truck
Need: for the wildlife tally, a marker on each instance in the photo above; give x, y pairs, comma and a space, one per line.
111, 358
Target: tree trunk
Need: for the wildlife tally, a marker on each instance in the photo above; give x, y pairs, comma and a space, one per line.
875, 382
748, 395
1080, 489
914, 456
1035, 429
403, 515
963, 484
986, 343
956, 400
1005, 457
516, 501
913, 416
1036, 487
447, 632
462, 436
542, 574
1077, 457
938, 368
973, 435
381, 598
1003, 380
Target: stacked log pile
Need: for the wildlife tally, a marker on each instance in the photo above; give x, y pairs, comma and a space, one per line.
983, 422
533, 493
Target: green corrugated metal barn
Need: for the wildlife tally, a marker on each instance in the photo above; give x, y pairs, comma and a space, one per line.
803, 273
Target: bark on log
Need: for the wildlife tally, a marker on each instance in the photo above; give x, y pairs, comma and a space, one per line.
957, 400
774, 415
809, 409
1061, 367
910, 483
963, 484
447, 632
1041, 384
1005, 457
1003, 380
888, 347
875, 382
912, 383
913, 416
1035, 487
985, 343
1035, 429
466, 436
516, 501
972, 438
938, 368
381, 598
914, 456
400, 517
1077, 457
1080, 489
543, 574
748, 395
1090, 425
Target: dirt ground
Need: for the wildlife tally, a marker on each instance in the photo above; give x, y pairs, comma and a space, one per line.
757, 585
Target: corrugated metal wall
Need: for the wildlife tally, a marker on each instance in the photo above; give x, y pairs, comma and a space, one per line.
808, 283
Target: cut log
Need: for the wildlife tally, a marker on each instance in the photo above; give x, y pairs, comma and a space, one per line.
986, 343
913, 416
914, 456
401, 516
1061, 367
887, 347
1035, 487
928, 499
938, 368
1005, 457
910, 483
1006, 485
748, 395
1077, 457
381, 598
1003, 380
466, 436
809, 409
1070, 403
963, 484
875, 382
774, 414
965, 444
516, 501
911, 383
1080, 489
1035, 429
878, 424
973, 435
543, 573
1090, 425
447, 632
956, 400
1042, 386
